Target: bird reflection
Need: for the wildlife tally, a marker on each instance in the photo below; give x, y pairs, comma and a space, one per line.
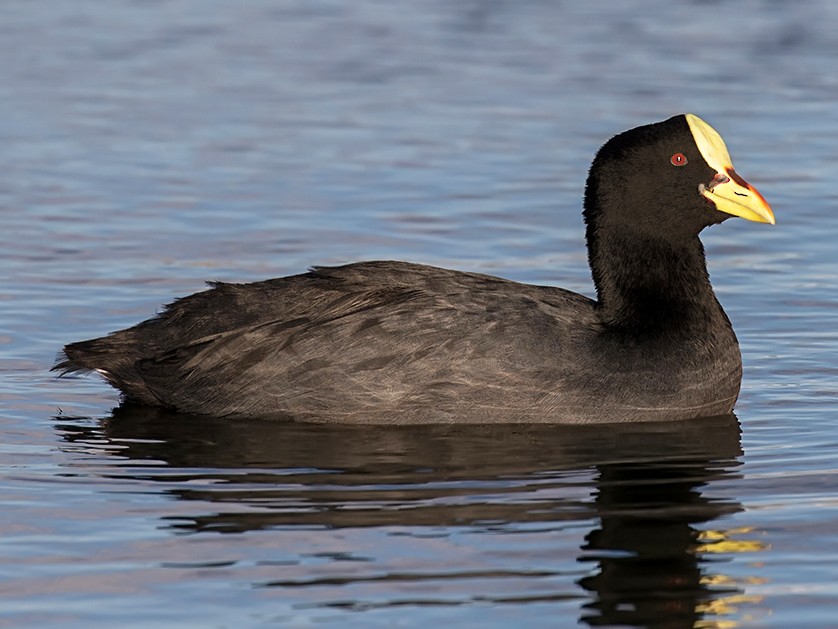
646, 546
649, 502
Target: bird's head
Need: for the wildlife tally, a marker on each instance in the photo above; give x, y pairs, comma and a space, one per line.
669, 180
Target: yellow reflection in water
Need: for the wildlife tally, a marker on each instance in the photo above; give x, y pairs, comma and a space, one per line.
715, 541
721, 541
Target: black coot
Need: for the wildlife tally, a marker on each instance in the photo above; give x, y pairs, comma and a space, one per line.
393, 342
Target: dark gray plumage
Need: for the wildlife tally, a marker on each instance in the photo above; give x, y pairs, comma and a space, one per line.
392, 342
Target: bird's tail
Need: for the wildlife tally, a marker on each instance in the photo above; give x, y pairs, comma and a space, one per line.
113, 359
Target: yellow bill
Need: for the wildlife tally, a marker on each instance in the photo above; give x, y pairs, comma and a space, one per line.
728, 191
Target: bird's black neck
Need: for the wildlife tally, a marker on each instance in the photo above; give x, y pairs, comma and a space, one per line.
647, 285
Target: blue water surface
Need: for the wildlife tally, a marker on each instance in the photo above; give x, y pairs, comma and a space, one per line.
148, 146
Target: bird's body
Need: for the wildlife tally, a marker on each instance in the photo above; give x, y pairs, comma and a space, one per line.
393, 342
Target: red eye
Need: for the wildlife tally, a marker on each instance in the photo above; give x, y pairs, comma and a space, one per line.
679, 159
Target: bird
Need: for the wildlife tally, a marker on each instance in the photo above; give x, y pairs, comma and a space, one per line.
388, 342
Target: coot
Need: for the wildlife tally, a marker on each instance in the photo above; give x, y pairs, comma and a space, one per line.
394, 342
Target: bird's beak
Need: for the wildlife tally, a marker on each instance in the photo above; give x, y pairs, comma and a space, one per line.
728, 192
733, 195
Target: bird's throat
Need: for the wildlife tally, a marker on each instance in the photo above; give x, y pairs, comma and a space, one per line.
649, 286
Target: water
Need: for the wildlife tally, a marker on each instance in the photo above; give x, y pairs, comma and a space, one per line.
149, 146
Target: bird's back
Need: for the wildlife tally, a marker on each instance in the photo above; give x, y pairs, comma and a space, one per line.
406, 343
